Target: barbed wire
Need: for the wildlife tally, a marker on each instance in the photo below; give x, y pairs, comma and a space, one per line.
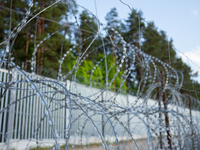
35, 108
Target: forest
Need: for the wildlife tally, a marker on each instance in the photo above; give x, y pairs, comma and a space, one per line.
57, 22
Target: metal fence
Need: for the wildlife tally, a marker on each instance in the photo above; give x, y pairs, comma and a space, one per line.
26, 113
22, 118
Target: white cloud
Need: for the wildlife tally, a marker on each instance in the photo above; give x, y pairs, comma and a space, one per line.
195, 12
194, 56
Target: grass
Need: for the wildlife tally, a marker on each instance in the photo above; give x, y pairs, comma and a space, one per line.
79, 146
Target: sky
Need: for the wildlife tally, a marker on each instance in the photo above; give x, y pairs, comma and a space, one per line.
179, 18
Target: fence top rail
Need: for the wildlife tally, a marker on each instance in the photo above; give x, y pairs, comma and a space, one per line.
3, 70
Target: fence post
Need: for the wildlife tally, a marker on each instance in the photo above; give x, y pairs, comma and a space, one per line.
160, 116
11, 110
128, 115
166, 112
190, 105
103, 132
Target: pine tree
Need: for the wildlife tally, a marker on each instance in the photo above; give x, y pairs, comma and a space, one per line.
89, 29
132, 33
113, 22
5, 15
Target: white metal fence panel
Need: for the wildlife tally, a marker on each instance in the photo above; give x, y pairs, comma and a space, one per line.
26, 113
25, 119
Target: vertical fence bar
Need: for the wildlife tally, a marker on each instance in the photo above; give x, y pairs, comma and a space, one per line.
33, 99
5, 100
49, 94
41, 114
56, 111
60, 114
11, 111
53, 114
65, 117
51, 105
36, 111
24, 110
45, 121
17, 109
30, 114
27, 102
20, 110
1, 114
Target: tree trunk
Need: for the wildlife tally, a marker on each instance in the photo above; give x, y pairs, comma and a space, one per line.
42, 50
39, 49
113, 56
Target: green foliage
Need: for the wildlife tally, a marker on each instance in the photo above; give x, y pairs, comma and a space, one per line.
84, 73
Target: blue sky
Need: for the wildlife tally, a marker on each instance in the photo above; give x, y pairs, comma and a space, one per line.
179, 18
